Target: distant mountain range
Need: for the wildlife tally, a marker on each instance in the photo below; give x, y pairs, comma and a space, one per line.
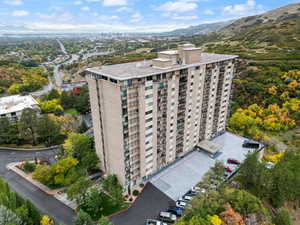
275, 17
200, 29
234, 27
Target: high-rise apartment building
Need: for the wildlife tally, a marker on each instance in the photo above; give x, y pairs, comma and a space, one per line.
147, 114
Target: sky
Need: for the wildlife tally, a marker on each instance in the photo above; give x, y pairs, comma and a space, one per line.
124, 15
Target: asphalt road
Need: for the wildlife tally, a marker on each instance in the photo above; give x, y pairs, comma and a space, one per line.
46, 204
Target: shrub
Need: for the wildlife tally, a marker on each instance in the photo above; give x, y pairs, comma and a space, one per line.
29, 167
142, 185
283, 217
135, 193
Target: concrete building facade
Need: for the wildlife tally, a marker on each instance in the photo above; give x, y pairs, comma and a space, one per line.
148, 114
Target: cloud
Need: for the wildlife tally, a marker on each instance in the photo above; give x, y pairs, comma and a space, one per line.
136, 17
77, 2
85, 8
208, 12
178, 6
249, 7
114, 2
93, 0
60, 17
13, 2
124, 9
19, 13
192, 17
105, 17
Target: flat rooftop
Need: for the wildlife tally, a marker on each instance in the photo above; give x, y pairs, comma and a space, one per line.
16, 103
141, 69
178, 178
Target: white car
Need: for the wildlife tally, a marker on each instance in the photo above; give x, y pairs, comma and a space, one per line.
198, 190
167, 217
187, 198
155, 222
181, 204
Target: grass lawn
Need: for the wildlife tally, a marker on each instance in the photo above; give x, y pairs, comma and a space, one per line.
73, 112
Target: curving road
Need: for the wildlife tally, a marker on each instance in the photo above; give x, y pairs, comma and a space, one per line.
46, 204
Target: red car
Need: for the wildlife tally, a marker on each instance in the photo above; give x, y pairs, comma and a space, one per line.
228, 169
233, 161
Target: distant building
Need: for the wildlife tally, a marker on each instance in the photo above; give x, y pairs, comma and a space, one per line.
13, 106
70, 86
148, 114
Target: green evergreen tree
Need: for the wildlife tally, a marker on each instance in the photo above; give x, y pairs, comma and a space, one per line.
83, 218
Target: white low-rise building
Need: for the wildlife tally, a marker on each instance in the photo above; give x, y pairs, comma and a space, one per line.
13, 106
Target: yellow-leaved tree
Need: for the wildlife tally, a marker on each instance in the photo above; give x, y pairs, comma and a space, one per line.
215, 220
47, 221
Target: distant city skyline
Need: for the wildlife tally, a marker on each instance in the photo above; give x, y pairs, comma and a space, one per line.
123, 15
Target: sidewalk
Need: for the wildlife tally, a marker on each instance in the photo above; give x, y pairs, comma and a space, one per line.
56, 193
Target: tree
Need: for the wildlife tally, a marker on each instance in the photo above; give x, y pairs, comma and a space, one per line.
60, 174
80, 187
50, 106
215, 220
285, 179
83, 218
4, 130
244, 202
47, 221
80, 147
48, 130
252, 175
53, 94
104, 221
9, 217
28, 125
283, 217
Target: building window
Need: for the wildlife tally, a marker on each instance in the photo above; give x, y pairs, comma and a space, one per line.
149, 127
149, 88
148, 96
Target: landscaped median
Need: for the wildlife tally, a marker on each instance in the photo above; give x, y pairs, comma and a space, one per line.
57, 193
97, 198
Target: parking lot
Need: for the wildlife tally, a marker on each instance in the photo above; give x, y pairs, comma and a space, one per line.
171, 183
177, 179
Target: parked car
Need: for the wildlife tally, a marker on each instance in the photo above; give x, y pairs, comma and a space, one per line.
191, 193
155, 222
187, 197
181, 204
250, 144
228, 169
196, 189
176, 210
167, 217
233, 161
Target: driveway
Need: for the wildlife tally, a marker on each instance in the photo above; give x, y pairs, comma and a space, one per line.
46, 204
148, 205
